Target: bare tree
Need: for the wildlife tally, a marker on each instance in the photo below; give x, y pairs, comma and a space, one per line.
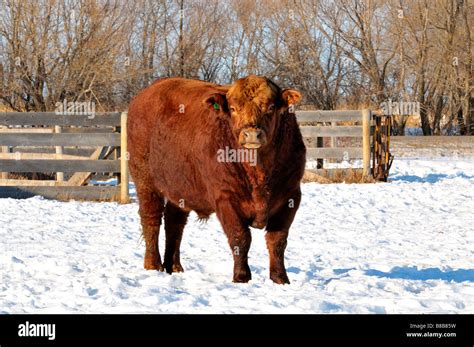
343, 53
58, 50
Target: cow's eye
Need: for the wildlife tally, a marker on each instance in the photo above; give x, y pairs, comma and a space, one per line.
271, 108
232, 109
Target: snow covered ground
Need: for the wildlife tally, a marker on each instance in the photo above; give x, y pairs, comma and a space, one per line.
402, 247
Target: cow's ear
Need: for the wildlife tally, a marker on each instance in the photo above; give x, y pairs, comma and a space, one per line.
217, 102
291, 97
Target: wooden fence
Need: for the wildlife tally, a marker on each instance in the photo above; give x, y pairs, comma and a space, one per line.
320, 124
106, 132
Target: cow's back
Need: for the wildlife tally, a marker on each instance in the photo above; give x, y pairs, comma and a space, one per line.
164, 104
165, 126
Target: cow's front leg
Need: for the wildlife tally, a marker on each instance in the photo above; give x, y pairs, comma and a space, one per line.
239, 237
277, 235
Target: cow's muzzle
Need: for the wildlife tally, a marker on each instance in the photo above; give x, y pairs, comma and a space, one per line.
252, 138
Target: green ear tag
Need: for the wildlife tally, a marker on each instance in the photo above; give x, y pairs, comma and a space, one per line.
216, 106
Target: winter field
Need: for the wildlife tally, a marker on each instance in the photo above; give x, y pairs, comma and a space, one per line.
400, 247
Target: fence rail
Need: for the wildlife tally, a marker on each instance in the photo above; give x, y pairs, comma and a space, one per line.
46, 140
52, 118
59, 165
329, 116
331, 131
99, 193
341, 153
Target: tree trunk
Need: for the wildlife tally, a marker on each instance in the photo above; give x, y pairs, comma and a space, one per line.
469, 117
181, 39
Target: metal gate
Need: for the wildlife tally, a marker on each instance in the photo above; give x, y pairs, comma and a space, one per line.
381, 157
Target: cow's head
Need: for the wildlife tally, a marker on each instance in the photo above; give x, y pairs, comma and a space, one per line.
253, 106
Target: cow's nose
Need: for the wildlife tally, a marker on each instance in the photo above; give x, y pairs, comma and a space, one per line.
252, 138
252, 135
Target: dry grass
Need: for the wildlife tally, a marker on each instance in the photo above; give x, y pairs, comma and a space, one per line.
337, 176
4, 108
31, 176
66, 197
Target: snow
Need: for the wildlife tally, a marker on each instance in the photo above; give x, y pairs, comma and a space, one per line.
399, 247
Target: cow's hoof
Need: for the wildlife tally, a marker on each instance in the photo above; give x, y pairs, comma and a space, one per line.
151, 264
173, 268
242, 277
177, 268
280, 278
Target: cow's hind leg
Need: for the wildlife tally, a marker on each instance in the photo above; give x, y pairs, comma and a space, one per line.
175, 220
151, 212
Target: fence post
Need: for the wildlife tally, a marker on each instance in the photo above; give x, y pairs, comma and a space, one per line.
366, 115
4, 149
319, 144
124, 194
334, 138
59, 152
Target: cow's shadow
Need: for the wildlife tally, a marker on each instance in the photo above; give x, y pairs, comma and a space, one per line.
430, 178
413, 273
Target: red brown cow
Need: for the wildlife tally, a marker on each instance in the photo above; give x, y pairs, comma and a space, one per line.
193, 147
